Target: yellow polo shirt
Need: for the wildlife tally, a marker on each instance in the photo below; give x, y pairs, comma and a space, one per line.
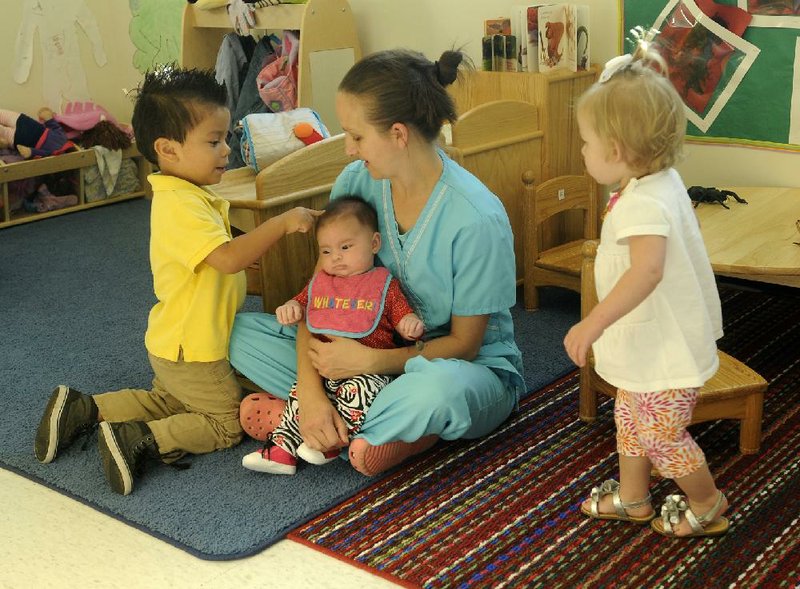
196, 303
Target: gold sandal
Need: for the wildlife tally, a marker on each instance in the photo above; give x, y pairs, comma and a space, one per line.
611, 487
702, 525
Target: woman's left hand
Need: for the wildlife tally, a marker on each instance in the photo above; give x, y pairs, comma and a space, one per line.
338, 358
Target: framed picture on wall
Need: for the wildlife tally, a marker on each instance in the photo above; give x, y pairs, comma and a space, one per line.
707, 62
773, 13
737, 67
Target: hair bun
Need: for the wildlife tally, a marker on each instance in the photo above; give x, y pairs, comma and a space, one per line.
446, 68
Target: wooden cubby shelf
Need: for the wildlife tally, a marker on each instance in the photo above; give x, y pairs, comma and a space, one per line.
77, 161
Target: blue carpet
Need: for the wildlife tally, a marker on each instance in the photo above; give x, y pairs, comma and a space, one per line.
75, 293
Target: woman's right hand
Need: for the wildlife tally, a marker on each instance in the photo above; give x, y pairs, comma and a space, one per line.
320, 424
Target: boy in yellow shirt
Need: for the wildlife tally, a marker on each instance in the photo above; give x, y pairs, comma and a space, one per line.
180, 122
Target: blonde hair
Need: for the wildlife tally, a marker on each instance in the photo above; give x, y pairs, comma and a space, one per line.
638, 108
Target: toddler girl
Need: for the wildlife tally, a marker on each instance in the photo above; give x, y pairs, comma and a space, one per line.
653, 332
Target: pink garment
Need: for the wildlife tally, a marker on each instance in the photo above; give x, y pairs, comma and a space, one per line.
82, 116
347, 305
654, 425
277, 81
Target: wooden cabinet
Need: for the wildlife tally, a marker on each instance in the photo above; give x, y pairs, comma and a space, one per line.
328, 45
498, 141
77, 162
554, 95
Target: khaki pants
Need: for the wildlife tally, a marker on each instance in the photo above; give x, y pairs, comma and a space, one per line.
193, 407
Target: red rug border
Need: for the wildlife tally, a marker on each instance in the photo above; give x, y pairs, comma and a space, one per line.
294, 537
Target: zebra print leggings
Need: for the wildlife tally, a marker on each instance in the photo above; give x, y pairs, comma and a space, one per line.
352, 397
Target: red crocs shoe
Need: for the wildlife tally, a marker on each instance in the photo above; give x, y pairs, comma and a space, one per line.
272, 459
371, 460
260, 414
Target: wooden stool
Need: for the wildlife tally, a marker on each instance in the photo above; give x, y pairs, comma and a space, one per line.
734, 392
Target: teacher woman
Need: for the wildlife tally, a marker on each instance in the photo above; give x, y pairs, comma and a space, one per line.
447, 239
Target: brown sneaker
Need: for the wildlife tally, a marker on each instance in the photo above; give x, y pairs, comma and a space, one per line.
371, 460
124, 448
68, 415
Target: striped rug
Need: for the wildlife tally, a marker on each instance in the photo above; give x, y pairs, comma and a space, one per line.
503, 511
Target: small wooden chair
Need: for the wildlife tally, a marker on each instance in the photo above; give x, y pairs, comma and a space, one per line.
734, 392
558, 265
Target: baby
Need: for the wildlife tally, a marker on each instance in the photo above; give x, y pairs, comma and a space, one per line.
347, 297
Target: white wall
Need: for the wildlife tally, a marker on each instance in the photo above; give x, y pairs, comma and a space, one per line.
430, 26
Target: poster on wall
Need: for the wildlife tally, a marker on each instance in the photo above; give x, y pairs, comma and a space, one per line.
155, 32
56, 24
773, 13
735, 63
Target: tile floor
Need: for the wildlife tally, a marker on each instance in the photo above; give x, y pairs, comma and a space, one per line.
50, 540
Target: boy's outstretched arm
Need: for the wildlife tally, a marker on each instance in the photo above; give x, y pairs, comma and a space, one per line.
237, 254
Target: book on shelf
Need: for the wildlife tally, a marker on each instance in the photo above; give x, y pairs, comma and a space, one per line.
583, 48
497, 26
552, 36
499, 53
486, 53
511, 53
553, 22
526, 30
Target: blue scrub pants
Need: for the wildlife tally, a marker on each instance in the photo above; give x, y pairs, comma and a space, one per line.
450, 398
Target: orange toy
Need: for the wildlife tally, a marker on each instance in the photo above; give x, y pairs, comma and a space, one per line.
306, 133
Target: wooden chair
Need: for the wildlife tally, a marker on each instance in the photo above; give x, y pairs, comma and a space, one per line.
559, 264
734, 392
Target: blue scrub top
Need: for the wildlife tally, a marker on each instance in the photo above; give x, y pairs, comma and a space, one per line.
457, 259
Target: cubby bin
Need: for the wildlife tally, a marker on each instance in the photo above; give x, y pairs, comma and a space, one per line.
79, 162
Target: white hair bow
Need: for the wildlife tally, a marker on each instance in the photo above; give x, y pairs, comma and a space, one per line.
614, 65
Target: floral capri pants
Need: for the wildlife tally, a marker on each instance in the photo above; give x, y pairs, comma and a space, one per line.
653, 425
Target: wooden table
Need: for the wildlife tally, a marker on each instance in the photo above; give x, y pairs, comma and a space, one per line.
754, 241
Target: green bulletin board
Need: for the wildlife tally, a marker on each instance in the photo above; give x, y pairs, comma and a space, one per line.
756, 99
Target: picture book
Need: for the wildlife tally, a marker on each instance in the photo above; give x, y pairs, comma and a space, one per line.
519, 26
556, 26
486, 53
525, 23
498, 53
510, 53
563, 33
582, 38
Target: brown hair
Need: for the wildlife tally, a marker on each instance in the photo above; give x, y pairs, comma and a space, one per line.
403, 86
170, 102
